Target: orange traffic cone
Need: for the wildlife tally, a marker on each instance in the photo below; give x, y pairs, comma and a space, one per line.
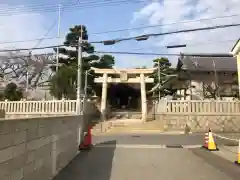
86, 144
238, 154
89, 136
209, 142
206, 140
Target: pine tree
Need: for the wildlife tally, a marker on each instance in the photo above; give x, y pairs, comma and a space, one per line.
63, 83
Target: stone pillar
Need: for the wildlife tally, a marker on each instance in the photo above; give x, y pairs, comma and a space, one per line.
104, 96
143, 97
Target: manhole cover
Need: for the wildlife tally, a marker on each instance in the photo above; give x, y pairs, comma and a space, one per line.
174, 146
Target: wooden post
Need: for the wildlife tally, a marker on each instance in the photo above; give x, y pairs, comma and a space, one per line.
143, 97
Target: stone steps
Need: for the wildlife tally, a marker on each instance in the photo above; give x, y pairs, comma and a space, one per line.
131, 125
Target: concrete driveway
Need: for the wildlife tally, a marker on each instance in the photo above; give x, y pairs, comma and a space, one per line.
119, 158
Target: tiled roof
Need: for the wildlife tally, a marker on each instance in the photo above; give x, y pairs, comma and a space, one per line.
208, 63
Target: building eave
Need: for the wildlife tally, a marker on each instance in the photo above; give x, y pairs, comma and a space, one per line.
236, 48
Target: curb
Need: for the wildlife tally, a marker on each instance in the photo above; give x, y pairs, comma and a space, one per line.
142, 131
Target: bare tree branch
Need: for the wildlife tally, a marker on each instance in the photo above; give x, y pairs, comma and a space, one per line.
15, 65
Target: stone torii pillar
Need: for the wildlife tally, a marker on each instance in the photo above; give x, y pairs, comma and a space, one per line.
124, 79
143, 97
104, 95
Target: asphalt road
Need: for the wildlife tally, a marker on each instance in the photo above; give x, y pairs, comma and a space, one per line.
114, 159
156, 139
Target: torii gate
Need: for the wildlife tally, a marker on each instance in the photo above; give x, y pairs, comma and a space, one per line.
141, 78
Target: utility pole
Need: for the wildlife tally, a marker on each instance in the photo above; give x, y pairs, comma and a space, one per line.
216, 85
58, 34
85, 84
159, 81
27, 73
79, 75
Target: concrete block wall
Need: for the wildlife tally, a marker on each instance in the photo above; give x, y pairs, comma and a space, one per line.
229, 123
37, 149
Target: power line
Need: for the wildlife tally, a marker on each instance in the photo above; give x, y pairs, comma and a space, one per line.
127, 29
20, 7
166, 54
146, 36
55, 46
29, 49
131, 38
27, 56
67, 7
191, 44
29, 5
27, 40
136, 53
167, 24
48, 31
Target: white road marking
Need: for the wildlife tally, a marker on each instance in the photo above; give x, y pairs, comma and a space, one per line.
138, 146
130, 146
192, 146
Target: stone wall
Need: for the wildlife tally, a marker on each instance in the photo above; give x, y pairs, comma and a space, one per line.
37, 149
229, 123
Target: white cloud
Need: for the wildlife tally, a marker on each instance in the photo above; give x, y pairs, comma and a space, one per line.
20, 27
28, 26
133, 61
171, 11
147, 11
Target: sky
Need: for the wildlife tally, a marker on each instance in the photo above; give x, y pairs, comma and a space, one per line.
30, 19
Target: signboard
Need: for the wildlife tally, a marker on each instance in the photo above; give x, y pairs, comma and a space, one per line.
123, 76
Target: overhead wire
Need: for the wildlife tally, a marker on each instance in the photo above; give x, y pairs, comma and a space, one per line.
67, 7
128, 29
133, 53
123, 52
167, 24
137, 53
130, 38
34, 48
33, 56
28, 6
48, 31
165, 54
170, 32
187, 44
27, 40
